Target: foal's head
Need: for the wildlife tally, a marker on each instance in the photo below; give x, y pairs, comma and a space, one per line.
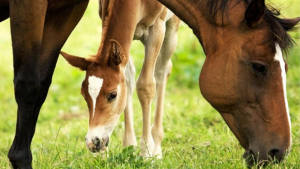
104, 89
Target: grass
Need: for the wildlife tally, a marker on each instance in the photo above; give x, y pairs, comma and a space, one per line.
195, 134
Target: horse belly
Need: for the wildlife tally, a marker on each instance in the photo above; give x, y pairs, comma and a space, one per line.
151, 11
141, 32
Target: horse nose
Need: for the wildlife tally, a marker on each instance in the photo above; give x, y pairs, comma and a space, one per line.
275, 155
96, 144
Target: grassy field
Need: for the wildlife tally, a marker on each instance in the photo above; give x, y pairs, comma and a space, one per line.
195, 134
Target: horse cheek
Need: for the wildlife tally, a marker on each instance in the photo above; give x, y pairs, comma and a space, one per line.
218, 83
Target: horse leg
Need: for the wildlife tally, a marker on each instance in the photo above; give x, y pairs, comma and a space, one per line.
146, 82
32, 81
52, 44
129, 136
163, 69
27, 24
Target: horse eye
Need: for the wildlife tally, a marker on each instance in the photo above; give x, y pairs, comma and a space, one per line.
259, 69
112, 96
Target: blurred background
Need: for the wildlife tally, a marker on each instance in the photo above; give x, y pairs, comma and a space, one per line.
188, 118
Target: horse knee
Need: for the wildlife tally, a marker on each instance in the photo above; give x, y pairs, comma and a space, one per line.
146, 89
26, 90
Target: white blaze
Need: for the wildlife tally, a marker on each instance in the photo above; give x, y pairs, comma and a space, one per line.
279, 57
95, 85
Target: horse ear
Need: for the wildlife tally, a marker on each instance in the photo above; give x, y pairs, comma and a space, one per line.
254, 12
76, 61
116, 54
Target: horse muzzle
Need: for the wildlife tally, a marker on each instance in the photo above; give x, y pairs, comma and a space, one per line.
96, 144
261, 158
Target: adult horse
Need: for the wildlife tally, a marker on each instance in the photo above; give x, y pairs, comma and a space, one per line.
110, 74
39, 29
244, 74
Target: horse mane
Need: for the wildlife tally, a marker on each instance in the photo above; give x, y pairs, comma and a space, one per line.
106, 15
279, 26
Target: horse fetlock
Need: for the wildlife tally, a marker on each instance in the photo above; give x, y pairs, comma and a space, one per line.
20, 159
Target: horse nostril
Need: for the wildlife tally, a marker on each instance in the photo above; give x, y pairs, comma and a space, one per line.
273, 152
96, 141
276, 155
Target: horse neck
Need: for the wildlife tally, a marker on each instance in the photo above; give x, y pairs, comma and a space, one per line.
197, 15
118, 24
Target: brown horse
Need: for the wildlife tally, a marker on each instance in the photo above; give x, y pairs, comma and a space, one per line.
39, 29
244, 74
109, 83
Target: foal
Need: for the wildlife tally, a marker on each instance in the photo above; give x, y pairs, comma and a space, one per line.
110, 75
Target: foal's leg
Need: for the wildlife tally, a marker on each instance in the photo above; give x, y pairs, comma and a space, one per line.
129, 136
146, 82
162, 71
32, 82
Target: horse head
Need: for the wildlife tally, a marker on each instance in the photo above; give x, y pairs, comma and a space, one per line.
244, 74
104, 90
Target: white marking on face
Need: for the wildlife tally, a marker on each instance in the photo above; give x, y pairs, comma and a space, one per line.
95, 85
279, 57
